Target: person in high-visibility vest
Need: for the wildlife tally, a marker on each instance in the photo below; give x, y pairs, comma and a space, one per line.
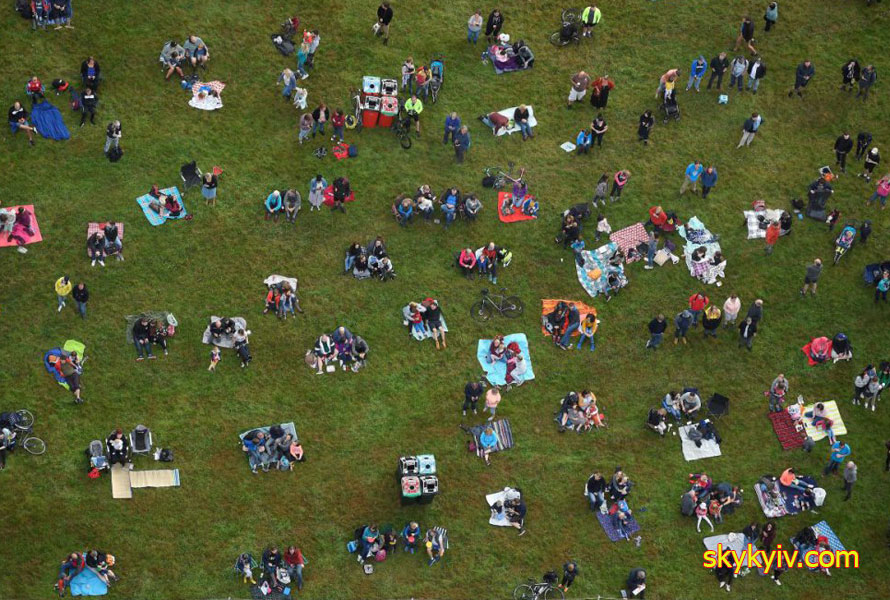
589, 18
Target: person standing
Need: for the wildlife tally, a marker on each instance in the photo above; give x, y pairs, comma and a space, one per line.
472, 393
842, 146
669, 76
849, 479
88, 104
693, 172
657, 327
413, 106
599, 91
618, 184
812, 277
738, 68
867, 78
839, 452
63, 288
452, 126
872, 160
569, 572
81, 296
772, 236
580, 83
696, 72
863, 141
113, 136
90, 73
384, 18
590, 18
756, 72
802, 76
697, 303
746, 36
474, 27
461, 144
647, 121
598, 128
850, 73
493, 25
882, 287
313, 48
682, 321
771, 15
718, 65
747, 331
408, 74
708, 180
756, 311
731, 308
651, 249
749, 129
209, 185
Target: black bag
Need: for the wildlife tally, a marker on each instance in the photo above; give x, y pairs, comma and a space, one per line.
114, 153
23, 7
488, 181
550, 577
284, 45
166, 455
580, 211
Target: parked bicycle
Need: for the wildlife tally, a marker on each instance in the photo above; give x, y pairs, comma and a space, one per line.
401, 126
569, 31
509, 306
537, 591
354, 121
500, 178
21, 422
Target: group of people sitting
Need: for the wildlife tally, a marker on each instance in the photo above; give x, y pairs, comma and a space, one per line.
348, 350
15, 223
512, 508
165, 205
804, 494
227, 327
105, 242
290, 204
520, 201
578, 412
147, 332
424, 318
681, 406
278, 570
96, 561
704, 498
511, 355
516, 55
483, 261
282, 300
370, 542
192, 53
451, 203
276, 448
617, 489
564, 320
56, 13
369, 261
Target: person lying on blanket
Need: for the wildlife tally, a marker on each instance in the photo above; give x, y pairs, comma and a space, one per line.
620, 516
701, 485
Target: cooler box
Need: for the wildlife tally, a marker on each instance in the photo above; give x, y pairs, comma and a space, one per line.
429, 485
371, 85
389, 87
426, 464
411, 486
389, 109
408, 465
371, 111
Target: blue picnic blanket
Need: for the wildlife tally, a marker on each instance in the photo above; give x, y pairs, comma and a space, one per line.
87, 583
594, 269
612, 531
822, 528
497, 373
48, 121
154, 218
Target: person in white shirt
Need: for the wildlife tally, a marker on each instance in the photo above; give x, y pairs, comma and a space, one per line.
731, 309
474, 26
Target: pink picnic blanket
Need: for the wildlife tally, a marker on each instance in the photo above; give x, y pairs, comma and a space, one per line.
20, 231
94, 227
630, 237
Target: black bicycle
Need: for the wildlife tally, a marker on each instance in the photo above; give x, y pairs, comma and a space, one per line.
569, 30
509, 306
534, 590
401, 126
22, 423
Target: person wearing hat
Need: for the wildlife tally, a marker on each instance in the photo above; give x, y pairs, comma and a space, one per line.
89, 73
63, 288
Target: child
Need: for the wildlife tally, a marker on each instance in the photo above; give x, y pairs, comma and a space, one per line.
602, 224
702, 513
215, 357
300, 96
530, 207
620, 518
587, 329
716, 510
832, 219
273, 299
602, 187
417, 318
594, 417
577, 248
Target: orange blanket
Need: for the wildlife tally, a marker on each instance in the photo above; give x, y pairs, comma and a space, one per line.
547, 306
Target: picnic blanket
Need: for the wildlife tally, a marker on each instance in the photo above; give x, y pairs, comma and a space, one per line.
507, 493
329, 195
53, 354
594, 270
154, 218
709, 448
158, 478
120, 482
697, 236
785, 430
19, 230
786, 506
503, 66
276, 279
512, 127
96, 227
730, 541
287, 427
833, 413
501, 429
48, 121
517, 214
420, 335
152, 315
822, 528
88, 583
628, 239
226, 341
754, 218
207, 96
612, 531
497, 373
548, 305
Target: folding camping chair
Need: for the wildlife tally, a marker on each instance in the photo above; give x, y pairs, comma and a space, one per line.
191, 175
140, 440
718, 405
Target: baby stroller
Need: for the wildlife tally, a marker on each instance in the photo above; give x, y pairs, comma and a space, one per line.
670, 108
873, 272
96, 455
437, 69
844, 241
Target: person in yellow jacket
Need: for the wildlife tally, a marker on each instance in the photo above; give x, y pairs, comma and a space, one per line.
590, 16
413, 106
63, 288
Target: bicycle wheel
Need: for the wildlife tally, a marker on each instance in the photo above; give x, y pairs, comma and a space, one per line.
524, 592
557, 40
24, 419
511, 307
554, 593
481, 311
569, 15
405, 140
34, 445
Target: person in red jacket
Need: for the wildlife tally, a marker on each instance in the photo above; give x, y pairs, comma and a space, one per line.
72, 565
294, 562
772, 236
657, 217
338, 120
697, 303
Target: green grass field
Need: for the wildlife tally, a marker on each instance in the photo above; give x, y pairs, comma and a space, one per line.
181, 543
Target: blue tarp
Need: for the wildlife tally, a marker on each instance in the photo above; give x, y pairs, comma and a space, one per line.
87, 583
497, 373
48, 121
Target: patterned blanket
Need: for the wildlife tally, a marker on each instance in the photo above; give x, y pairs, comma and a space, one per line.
754, 218
593, 272
697, 236
154, 218
628, 239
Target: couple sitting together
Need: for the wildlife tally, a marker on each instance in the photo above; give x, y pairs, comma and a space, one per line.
485, 260
227, 327
282, 300
276, 448
369, 261
290, 204
511, 354
105, 242
578, 411
425, 319
350, 351
164, 205
564, 320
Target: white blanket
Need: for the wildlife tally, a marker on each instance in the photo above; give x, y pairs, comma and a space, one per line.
737, 543
275, 279
512, 127
709, 448
507, 493
226, 341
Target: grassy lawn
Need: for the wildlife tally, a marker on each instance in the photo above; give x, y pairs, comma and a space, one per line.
180, 543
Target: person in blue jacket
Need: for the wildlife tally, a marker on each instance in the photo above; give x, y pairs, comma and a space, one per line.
489, 443
696, 72
452, 126
450, 200
405, 210
584, 141
273, 205
693, 172
708, 180
411, 536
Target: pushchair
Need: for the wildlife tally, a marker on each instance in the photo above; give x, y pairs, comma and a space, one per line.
96, 455
437, 69
872, 273
844, 241
670, 108
191, 175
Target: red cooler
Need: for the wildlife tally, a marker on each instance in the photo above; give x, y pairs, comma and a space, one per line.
371, 111
389, 108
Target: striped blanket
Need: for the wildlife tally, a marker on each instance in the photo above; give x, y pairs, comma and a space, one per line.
833, 413
502, 430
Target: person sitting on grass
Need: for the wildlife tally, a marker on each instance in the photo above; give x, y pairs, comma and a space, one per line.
516, 511
142, 339
411, 536
158, 334
172, 56
471, 206
196, 52
690, 403
450, 202
96, 248
273, 205
435, 546
18, 120
657, 421
322, 352
288, 304
258, 454
293, 202
467, 262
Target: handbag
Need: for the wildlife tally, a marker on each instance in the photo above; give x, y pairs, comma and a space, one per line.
375, 27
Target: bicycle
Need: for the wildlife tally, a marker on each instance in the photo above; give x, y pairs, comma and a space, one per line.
568, 31
356, 117
401, 126
501, 177
537, 591
509, 306
22, 422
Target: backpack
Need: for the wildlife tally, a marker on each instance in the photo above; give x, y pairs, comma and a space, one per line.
353, 151
114, 153
351, 546
488, 181
166, 455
